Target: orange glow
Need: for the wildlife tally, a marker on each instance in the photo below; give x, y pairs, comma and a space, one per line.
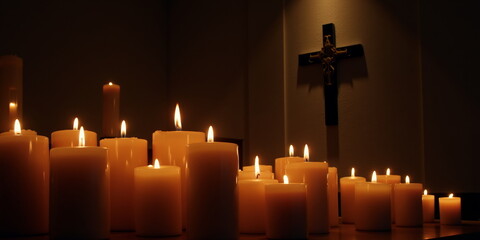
81, 137
257, 167
75, 124
285, 179
177, 118
110, 83
306, 154
156, 164
353, 172
388, 171
374, 176
17, 129
210, 134
407, 179
123, 129
451, 195
290, 151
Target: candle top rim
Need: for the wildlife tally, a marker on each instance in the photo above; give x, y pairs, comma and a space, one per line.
173, 131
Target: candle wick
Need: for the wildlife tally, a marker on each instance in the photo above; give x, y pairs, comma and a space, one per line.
258, 175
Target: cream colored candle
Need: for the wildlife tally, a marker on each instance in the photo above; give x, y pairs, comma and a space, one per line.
111, 110
79, 192
124, 155
11, 89
314, 175
408, 204
428, 206
280, 163
212, 208
169, 147
390, 179
24, 176
450, 210
347, 199
333, 196
372, 205
258, 172
286, 210
69, 138
157, 201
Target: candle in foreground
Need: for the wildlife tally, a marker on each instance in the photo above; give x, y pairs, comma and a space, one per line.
372, 205
428, 205
124, 155
24, 176
69, 138
450, 210
157, 201
332, 189
314, 175
111, 110
280, 163
212, 207
286, 210
408, 204
347, 193
79, 192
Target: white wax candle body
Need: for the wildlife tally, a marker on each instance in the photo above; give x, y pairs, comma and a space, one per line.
390, 179
286, 211
251, 205
280, 164
314, 175
124, 154
111, 110
333, 196
69, 138
24, 184
212, 205
79, 193
408, 204
157, 201
373, 206
428, 206
450, 210
347, 199
263, 168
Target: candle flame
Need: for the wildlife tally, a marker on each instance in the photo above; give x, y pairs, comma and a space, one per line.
285, 179
257, 167
210, 134
156, 164
123, 129
407, 179
374, 176
306, 154
110, 83
425, 192
177, 118
17, 129
388, 171
353, 172
12, 104
290, 151
75, 124
150, 165
451, 195
81, 137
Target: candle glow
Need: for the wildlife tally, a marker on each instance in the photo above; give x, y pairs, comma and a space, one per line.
353, 172
177, 118
110, 83
156, 164
388, 171
290, 151
374, 176
17, 129
285, 179
81, 137
425, 192
407, 179
306, 154
257, 167
210, 134
451, 195
123, 129
75, 124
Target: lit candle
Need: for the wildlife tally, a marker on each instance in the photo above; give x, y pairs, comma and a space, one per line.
450, 210
24, 176
286, 210
280, 163
212, 208
111, 109
428, 205
124, 155
372, 205
390, 179
251, 203
314, 175
333, 196
263, 168
79, 192
262, 173
408, 204
69, 138
157, 201
347, 193
169, 147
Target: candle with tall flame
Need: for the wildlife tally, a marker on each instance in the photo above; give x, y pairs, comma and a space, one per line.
111, 110
69, 138
450, 210
280, 163
372, 205
124, 155
212, 208
157, 200
169, 147
256, 172
24, 176
347, 193
314, 175
428, 206
408, 204
79, 192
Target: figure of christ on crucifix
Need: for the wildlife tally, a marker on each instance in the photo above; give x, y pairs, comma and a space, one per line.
328, 58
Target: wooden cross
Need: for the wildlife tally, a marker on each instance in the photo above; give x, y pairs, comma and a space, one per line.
328, 58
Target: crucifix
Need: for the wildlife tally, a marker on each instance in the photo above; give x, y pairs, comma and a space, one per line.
328, 58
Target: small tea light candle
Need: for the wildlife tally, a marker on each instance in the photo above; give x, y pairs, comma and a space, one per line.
347, 193
428, 206
450, 210
408, 204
